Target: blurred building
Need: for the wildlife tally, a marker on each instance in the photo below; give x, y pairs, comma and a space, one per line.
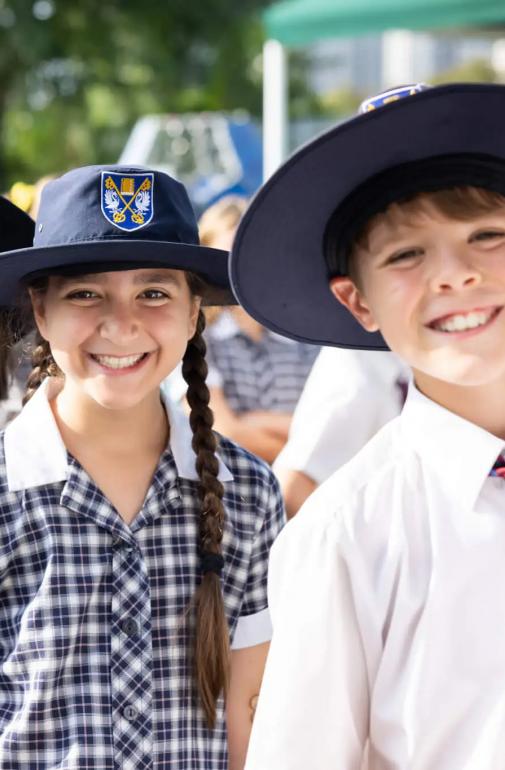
366, 63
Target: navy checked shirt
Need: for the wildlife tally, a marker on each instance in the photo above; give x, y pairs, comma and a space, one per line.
95, 669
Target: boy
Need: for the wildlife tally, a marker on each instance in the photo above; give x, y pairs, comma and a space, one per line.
386, 591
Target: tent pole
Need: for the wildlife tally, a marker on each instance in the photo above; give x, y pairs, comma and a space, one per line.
275, 101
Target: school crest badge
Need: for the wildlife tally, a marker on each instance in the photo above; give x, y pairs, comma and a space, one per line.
127, 199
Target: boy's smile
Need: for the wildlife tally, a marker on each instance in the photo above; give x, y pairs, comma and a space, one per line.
435, 287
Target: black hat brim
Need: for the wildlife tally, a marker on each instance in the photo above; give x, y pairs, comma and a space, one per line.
277, 266
16, 227
19, 266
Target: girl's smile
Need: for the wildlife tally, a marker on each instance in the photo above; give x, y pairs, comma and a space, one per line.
107, 329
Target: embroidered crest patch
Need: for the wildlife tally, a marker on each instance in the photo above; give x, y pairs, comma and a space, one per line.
127, 200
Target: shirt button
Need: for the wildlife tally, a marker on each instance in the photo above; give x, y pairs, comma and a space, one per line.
130, 713
129, 627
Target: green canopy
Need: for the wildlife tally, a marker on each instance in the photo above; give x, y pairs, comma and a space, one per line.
298, 22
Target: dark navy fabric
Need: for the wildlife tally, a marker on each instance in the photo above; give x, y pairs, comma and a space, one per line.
277, 265
76, 227
95, 669
16, 227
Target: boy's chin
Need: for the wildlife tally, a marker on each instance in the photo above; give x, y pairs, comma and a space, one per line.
463, 374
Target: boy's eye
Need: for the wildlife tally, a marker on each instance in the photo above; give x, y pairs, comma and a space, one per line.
402, 256
487, 235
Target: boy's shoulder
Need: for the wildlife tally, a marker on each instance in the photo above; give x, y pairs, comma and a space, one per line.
358, 495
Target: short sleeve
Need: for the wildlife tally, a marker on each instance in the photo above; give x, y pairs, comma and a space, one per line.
254, 625
314, 700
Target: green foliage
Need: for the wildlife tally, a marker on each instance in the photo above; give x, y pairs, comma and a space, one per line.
474, 71
74, 76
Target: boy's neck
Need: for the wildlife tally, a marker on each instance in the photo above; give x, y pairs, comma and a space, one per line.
484, 405
143, 428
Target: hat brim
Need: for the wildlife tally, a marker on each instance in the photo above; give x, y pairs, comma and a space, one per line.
119, 254
277, 266
16, 227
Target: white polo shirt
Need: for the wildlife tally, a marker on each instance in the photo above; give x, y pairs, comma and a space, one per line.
387, 595
348, 396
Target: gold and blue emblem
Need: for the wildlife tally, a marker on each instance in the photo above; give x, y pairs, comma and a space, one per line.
390, 96
127, 199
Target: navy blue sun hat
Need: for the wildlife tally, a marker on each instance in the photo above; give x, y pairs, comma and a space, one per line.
298, 230
16, 227
103, 218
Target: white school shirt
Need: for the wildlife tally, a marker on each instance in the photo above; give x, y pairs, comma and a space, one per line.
387, 595
348, 396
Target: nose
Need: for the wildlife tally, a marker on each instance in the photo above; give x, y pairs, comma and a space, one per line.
454, 271
119, 323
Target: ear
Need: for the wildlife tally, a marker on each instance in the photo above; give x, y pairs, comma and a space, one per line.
348, 294
196, 302
39, 311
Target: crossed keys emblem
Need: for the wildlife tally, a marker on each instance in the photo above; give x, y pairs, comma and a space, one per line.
125, 202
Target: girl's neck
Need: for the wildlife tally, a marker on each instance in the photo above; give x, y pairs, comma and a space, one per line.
484, 405
81, 420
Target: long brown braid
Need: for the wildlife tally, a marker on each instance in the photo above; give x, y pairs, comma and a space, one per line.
211, 643
43, 366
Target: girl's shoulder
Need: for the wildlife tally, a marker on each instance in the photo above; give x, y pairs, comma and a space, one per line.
252, 476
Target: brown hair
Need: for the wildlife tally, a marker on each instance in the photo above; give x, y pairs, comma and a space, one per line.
460, 203
223, 215
211, 650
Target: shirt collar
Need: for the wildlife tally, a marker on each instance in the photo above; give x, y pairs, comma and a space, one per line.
458, 451
36, 455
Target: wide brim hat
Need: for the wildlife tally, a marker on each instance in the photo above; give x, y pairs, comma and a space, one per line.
16, 227
278, 268
105, 218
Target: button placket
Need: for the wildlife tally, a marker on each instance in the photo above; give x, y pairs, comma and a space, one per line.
131, 658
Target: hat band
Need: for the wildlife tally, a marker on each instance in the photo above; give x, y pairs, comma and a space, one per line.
397, 184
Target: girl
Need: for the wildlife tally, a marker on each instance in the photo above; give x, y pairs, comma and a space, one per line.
122, 579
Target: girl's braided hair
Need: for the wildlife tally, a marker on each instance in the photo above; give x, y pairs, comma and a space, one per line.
211, 642
211, 653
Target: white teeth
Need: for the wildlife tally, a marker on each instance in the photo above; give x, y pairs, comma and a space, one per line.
115, 362
460, 323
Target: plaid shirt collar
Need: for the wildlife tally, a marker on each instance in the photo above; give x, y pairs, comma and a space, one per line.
36, 455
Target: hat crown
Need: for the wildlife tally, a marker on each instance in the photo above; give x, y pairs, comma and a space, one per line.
104, 203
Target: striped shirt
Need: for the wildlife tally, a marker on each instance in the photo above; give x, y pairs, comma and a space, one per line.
268, 374
95, 669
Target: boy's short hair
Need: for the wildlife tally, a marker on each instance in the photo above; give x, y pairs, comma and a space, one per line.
461, 203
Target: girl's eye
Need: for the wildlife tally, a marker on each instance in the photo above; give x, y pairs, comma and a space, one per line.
82, 294
154, 294
402, 256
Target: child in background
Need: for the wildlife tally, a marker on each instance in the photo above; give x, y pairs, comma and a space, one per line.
348, 396
255, 377
386, 590
133, 546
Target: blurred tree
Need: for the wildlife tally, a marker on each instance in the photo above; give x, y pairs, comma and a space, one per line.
75, 76
473, 71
